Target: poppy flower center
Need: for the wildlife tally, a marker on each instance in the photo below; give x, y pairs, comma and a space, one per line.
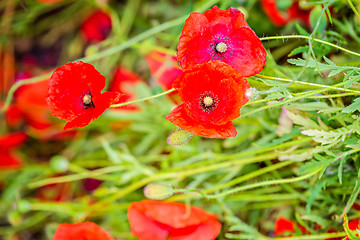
87, 101
221, 47
208, 102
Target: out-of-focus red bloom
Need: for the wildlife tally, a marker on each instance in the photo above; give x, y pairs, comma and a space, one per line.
213, 93
49, 1
75, 94
8, 157
125, 82
96, 27
30, 100
353, 225
58, 192
80, 231
279, 18
158, 220
221, 35
283, 225
163, 68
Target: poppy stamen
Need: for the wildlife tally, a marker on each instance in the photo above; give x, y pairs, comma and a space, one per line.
87, 101
208, 101
221, 47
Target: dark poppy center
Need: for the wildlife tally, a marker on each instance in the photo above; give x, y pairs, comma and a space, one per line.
87, 101
208, 101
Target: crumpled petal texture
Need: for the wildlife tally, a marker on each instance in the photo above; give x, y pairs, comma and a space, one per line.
202, 32
159, 220
67, 87
228, 88
78, 231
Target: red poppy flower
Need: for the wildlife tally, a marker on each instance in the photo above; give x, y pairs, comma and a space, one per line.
157, 220
8, 157
163, 68
77, 231
221, 35
213, 93
280, 18
75, 94
96, 27
125, 82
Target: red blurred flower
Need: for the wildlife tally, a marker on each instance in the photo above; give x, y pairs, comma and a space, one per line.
49, 1
8, 157
58, 192
280, 18
213, 93
125, 82
75, 94
163, 68
158, 220
283, 225
96, 27
78, 231
221, 35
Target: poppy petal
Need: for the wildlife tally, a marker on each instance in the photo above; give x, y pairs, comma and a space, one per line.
180, 118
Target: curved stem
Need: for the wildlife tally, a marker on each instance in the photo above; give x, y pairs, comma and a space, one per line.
314, 39
249, 186
307, 83
144, 99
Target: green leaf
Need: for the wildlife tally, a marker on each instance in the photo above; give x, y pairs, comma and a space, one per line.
311, 63
316, 16
298, 50
353, 197
301, 30
351, 81
334, 72
327, 137
355, 105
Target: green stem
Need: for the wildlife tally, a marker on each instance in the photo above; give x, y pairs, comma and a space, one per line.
144, 99
235, 181
249, 186
189, 172
314, 237
293, 99
314, 39
307, 83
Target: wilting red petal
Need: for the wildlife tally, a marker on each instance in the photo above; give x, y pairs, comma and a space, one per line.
283, 225
201, 35
78, 231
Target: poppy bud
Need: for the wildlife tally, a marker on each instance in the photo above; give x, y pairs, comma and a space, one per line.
158, 191
179, 137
